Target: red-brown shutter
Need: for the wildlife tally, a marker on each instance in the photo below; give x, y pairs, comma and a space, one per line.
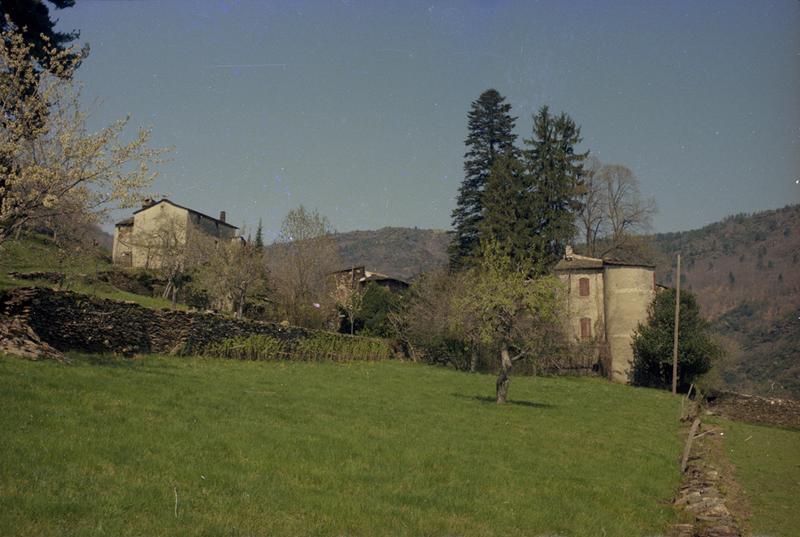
584, 286
586, 328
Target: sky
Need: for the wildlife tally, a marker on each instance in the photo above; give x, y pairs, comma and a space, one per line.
359, 108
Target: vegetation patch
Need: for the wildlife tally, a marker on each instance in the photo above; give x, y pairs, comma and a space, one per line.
317, 347
363, 448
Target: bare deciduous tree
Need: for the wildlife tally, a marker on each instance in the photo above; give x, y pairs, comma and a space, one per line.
50, 164
349, 296
233, 270
592, 216
300, 263
614, 210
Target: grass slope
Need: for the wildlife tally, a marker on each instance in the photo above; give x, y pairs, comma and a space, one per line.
36, 253
387, 448
767, 461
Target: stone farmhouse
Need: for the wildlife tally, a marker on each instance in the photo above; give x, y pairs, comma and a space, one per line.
359, 277
160, 225
606, 300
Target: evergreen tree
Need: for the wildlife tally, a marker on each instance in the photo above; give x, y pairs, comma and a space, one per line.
33, 19
652, 343
490, 128
507, 214
556, 185
259, 237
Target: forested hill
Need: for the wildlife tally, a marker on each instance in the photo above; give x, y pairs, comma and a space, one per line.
745, 271
743, 259
397, 251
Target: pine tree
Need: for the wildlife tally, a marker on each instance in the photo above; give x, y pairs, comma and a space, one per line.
259, 244
555, 172
34, 20
490, 135
506, 215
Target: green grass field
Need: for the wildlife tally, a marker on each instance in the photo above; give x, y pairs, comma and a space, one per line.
767, 461
101, 447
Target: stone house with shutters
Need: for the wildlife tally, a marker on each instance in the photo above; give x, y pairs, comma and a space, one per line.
138, 239
606, 300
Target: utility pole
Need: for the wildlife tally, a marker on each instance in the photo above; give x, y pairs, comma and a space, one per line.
675, 337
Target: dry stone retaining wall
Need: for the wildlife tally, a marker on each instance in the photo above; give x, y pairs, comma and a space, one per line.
70, 321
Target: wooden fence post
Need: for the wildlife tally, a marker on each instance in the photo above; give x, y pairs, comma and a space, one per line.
675, 336
688, 448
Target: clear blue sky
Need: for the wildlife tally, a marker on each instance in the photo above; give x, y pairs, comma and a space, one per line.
358, 108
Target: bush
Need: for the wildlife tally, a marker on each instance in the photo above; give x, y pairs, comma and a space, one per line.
377, 305
652, 343
320, 347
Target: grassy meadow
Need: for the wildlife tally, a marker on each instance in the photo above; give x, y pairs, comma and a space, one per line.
104, 447
767, 467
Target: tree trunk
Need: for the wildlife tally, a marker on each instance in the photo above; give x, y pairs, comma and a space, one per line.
473, 361
504, 377
174, 296
167, 289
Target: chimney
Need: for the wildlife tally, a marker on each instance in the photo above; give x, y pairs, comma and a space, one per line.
568, 253
147, 202
222, 216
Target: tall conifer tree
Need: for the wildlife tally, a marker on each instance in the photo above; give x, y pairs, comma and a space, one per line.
556, 181
491, 135
259, 237
507, 210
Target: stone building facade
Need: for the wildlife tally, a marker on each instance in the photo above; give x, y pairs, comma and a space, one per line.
606, 300
358, 278
160, 225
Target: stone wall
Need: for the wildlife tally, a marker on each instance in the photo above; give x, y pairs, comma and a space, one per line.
755, 409
69, 321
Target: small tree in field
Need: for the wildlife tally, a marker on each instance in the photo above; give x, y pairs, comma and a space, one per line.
511, 310
652, 343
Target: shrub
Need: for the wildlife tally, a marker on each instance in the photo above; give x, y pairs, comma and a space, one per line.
319, 347
377, 305
652, 343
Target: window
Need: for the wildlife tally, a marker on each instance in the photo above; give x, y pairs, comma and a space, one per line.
586, 328
583, 287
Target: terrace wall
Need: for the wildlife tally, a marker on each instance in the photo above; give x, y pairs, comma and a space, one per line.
70, 321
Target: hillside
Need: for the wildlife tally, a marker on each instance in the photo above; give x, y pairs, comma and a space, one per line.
744, 259
400, 252
745, 271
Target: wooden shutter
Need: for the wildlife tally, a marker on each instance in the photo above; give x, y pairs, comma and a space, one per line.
586, 328
584, 286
